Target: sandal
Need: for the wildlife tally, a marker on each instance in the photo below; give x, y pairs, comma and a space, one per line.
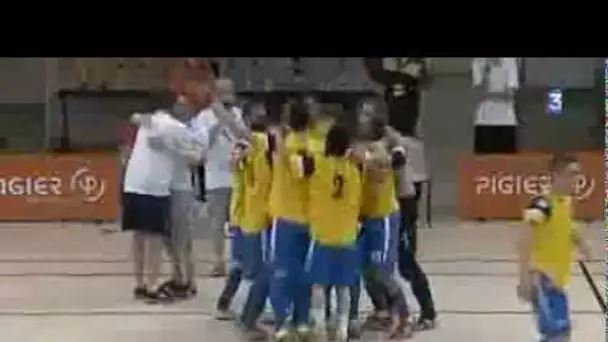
161, 295
140, 292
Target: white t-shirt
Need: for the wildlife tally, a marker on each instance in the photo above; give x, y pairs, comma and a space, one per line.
174, 134
149, 172
500, 79
204, 126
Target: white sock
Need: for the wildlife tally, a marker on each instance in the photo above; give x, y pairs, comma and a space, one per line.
318, 307
343, 295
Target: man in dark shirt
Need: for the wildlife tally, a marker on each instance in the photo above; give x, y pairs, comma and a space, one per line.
403, 79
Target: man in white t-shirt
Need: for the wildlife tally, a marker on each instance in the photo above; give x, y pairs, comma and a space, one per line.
495, 119
217, 126
148, 180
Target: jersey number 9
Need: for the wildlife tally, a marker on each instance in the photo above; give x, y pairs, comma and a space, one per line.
338, 186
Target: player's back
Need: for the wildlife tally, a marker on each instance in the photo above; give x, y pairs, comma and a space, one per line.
289, 198
257, 181
379, 195
552, 223
148, 171
335, 200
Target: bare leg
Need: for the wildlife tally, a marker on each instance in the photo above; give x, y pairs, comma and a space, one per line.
138, 250
174, 255
154, 245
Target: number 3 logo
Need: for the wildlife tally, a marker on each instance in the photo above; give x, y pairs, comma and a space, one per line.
555, 103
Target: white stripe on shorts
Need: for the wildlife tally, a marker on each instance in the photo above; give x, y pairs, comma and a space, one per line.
273, 240
263, 239
309, 254
387, 237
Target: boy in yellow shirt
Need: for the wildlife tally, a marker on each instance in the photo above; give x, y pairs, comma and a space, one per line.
335, 195
545, 251
236, 212
380, 224
289, 200
256, 163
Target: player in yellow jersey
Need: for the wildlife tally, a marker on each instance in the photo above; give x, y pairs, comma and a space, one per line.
545, 251
289, 291
256, 163
236, 213
335, 195
380, 225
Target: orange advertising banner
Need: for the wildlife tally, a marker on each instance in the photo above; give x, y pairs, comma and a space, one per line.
60, 187
500, 187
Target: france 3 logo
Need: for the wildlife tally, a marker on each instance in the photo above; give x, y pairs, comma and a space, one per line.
555, 102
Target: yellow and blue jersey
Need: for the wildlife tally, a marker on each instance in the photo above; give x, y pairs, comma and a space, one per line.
237, 196
551, 221
379, 193
335, 200
289, 194
257, 176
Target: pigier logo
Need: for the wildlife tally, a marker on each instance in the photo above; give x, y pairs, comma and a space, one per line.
498, 187
72, 187
527, 184
88, 185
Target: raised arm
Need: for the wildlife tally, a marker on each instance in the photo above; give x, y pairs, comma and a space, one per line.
232, 121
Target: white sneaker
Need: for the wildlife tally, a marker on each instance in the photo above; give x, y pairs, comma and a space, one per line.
342, 332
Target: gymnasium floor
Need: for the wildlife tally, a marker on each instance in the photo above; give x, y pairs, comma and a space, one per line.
70, 283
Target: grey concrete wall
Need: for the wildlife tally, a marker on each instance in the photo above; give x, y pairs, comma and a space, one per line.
22, 80
22, 97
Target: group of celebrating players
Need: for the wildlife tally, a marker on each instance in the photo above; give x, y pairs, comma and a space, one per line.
314, 209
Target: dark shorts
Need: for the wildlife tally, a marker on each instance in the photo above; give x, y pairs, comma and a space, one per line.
146, 213
495, 139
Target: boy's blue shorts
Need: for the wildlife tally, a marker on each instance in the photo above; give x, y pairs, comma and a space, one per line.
236, 246
551, 308
289, 242
332, 265
254, 252
379, 240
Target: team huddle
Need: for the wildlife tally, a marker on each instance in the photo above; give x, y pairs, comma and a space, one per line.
313, 210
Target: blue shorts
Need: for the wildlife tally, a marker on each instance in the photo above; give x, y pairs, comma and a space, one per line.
332, 265
380, 238
236, 246
254, 248
289, 242
550, 308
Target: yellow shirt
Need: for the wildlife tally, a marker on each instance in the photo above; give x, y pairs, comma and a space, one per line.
258, 179
289, 194
237, 196
552, 227
335, 201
